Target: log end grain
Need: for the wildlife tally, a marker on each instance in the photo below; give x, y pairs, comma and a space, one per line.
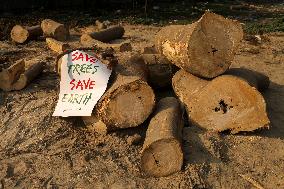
19, 34
129, 105
205, 48
213, 44
61, 33
162, 158
228, 103
186, 84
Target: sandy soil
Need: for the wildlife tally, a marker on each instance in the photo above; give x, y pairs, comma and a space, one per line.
41, 151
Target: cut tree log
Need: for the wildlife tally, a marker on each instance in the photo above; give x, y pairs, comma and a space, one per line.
54, 29
160, 70
88, 41
255, 79
109, 34
57, 46
129, 100
162, 150
10, 75
30, 74
225, 103
22, 34
205, 48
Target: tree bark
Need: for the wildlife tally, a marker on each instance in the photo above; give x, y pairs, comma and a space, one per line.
54, 30
109, 34
129, 100
22, 34
162, 150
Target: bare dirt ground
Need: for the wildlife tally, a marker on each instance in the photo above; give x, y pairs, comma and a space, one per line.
41, 151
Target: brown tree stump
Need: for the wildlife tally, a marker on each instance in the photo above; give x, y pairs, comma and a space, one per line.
205, 48
225, 103
54, 30
162, 150
22, 34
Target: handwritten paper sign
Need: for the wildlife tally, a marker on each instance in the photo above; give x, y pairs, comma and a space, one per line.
84, 80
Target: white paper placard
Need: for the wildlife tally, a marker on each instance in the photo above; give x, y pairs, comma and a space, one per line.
84, 80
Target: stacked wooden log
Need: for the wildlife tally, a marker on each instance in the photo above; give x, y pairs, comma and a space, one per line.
204, 51
215, 97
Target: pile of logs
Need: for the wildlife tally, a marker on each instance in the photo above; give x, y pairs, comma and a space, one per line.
215, 97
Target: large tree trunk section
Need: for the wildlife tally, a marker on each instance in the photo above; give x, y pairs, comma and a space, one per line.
54, 30
205, 48
57, 46
225, 103
129, 100
21, 34
160, 68
255, 79
88, 41
30, 74
109, 34
162, 150
10, 75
